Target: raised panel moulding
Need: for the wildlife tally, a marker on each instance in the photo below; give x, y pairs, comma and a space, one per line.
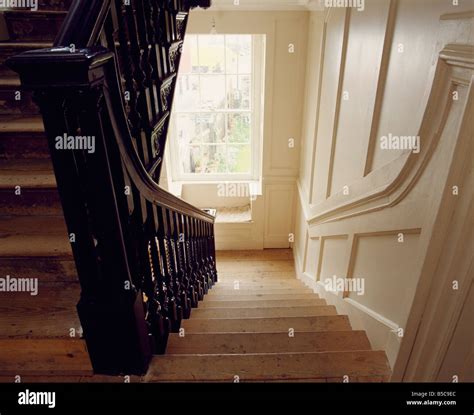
390, 184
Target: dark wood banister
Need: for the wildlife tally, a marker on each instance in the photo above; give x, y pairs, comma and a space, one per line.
145, 258
81, 29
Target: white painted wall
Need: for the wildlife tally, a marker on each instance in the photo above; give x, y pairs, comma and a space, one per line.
369, 74
273, 211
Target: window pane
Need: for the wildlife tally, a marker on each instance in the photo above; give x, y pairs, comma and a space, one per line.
211, 54
188, 130
238, 92
239, 54
187, 93
212, 127
212, 92
213, 118
239, 159
238, 128
204, 159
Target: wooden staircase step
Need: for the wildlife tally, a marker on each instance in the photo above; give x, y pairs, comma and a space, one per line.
35, 246
218, 293
13, 125
31, 201
23, 25
26, 357
240, 343
258, 255
14, 100
22, 137
230, 288
300, 311
256, 276
27, 225
260, 303
49, 314
255, 367
33, 236
265, 325
36, 174
245, 267
46, 269
251, 285
224, 298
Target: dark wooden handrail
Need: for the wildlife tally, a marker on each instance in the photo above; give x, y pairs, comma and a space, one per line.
144, 257
83, 23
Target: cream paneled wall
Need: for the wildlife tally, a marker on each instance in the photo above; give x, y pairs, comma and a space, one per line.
285, 63
334, 35
362, 211
361, 74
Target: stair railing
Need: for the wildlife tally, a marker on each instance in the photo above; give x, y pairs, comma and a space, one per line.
144, 257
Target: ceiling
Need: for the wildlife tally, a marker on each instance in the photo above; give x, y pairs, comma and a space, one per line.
268, 5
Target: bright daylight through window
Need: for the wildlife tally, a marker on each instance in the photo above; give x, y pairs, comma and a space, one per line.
216, 127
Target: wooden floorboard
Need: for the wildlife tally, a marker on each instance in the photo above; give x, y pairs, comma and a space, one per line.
263, 312
240, 343
272, 329
284, 366
55, 357
51, 313
256, 255
206, 304
266, 325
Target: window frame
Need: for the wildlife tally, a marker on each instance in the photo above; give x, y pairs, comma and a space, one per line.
257, 80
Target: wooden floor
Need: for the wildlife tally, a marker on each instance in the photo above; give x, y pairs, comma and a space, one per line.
260, 324
257, 324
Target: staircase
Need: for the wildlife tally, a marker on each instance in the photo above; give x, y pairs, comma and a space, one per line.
258, 323
39, 335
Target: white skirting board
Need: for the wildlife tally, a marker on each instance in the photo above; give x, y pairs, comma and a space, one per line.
382, 333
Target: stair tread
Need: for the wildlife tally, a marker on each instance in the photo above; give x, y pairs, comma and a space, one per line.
9, 82
37, 13
256, 284
35, 246
49, 314
237, 293
281, 366
32, 225
25, 45
21, 124
261, 312
209, 304
28, 173
240, 343
22, 357
257, 296
267, 324
260, 255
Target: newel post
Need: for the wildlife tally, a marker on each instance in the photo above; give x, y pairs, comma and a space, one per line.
68, 86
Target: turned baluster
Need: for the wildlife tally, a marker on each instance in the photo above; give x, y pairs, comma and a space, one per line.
206, 255
191, 271
131, 96
211, 251
179, 263
197, 261
165, 249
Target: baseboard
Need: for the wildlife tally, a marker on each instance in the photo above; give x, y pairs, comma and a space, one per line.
382, 333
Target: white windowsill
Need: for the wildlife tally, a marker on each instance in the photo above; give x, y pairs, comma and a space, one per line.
176, 187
